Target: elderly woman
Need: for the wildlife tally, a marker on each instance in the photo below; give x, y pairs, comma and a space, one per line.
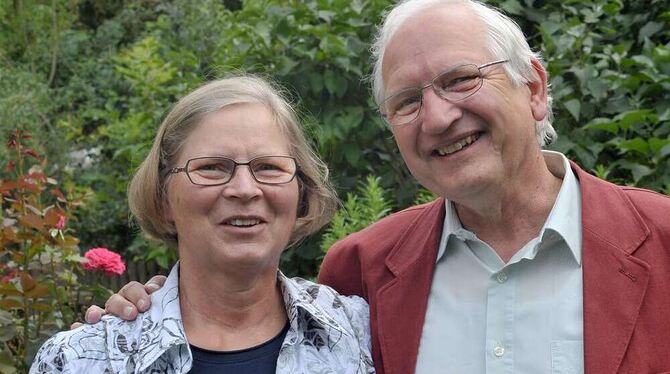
230, 182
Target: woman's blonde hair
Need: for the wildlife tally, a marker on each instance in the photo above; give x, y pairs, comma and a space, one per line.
147, 193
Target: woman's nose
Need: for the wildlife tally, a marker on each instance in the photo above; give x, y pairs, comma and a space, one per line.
242, 184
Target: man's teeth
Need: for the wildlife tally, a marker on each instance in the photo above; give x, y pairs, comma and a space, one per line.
243, 222
457, 146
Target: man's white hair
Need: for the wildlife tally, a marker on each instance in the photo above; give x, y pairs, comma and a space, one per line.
505, 41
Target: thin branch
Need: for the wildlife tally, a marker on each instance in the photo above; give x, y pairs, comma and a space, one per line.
54, 51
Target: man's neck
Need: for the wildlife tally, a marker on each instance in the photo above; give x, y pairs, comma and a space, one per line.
508, 218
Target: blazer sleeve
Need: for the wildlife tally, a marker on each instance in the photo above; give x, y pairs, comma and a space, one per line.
341, 269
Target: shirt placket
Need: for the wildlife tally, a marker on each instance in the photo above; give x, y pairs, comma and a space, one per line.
500, 307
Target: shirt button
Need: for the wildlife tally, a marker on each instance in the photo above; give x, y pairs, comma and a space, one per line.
501, 277
499, 351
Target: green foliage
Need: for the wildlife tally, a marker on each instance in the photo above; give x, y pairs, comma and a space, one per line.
368, 205
424, 196
609, 63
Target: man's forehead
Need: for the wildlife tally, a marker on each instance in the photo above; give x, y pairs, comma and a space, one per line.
432, 41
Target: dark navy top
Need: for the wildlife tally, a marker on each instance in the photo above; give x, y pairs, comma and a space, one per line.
260, 359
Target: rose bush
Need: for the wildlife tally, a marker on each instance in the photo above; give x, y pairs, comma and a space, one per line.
41, 291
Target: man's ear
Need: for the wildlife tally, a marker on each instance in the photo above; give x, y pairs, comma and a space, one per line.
538, 91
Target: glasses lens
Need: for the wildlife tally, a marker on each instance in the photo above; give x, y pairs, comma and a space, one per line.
403, 107
273, 169
458, 83
210, 170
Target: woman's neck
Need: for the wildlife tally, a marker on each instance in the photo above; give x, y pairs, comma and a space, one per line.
223, 313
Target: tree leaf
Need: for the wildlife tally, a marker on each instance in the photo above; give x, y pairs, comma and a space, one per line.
573, 106
636, 144
665, 151
649, 29
639, 171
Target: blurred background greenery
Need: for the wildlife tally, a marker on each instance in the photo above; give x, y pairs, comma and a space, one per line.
91, 80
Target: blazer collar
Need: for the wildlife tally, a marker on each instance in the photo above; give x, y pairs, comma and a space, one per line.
421, 233
401, 303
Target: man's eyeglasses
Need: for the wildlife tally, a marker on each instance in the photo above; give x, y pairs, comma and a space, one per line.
455, 84
215, 171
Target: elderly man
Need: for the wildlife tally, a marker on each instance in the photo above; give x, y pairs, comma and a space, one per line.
526, 264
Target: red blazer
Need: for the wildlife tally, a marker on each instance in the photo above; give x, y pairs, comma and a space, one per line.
626, 260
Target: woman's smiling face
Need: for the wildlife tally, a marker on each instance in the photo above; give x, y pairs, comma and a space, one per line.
242, 223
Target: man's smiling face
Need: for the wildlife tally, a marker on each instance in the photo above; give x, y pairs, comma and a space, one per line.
460, 150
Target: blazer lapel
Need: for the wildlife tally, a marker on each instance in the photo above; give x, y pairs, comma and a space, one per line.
402, 302
615, 282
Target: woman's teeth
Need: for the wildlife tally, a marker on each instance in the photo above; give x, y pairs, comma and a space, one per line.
243, 222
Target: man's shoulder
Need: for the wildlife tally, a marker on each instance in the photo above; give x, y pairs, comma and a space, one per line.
644, 197
651, 205
646, 202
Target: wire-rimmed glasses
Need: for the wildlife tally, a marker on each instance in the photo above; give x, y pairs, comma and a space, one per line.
215, 171
455, 84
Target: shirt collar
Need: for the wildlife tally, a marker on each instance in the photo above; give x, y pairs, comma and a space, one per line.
302, 300
301, 295
564, 218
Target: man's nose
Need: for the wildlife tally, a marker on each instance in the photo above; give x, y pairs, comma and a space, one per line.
437, 113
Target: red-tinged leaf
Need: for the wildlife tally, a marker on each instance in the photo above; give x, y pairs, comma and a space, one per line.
31, 153
37, 176
7, 304
32, 220
8, 234
52, 216
11, 165
27, 282
8, 186
29, 186
58, 194
38, 291
8, 289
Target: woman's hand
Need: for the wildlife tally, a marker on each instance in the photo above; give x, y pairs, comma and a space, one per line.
132, 298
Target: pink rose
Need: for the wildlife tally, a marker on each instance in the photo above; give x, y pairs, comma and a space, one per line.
105, 260
61, 222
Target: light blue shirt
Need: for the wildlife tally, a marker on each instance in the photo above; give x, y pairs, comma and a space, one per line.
328, 333
523, 316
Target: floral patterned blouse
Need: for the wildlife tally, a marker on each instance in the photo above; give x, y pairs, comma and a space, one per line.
328, 333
